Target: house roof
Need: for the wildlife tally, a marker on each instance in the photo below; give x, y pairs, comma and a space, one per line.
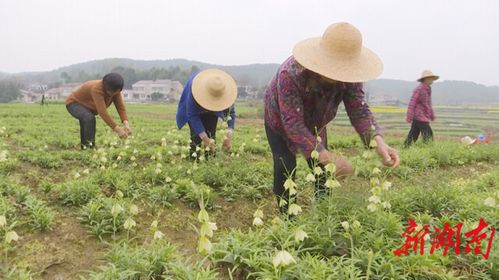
155, 82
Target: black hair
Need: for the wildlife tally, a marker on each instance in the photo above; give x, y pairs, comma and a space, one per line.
113, 82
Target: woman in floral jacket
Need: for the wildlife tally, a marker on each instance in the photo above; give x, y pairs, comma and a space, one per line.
304, 96
420, 112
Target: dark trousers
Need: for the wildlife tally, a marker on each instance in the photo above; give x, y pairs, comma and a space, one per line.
416, 128
210, 122
285, 165
87, 124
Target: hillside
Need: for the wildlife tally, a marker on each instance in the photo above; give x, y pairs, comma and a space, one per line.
253, 74
445, 93
258, 75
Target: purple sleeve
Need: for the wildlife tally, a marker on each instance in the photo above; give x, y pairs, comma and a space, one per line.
412, 105
427, 104
360, 116
291, 110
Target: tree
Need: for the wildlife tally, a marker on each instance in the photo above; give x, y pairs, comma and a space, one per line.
261, 92
241, 92
65, 77
156, 96
9, 91
128, 74
194, 69
82, 76
54, 84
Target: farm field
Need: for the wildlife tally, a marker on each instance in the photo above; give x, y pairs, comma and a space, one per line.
451, 121
139, 209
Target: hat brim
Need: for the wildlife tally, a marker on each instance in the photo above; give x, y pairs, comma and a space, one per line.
210, 102
435, 77
363, 67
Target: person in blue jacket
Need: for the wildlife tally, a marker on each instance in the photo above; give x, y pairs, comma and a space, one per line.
207, 96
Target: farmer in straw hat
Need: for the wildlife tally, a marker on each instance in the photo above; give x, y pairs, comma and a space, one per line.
420, 111
304, 95
93, 97
207, 96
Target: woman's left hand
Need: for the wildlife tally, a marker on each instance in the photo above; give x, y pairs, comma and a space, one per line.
128, 129
389, 156
227, 145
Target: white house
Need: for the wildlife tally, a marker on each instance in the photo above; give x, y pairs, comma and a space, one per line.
37, 87
143, 91
159, 90
60, 93
127, 94
29, 96
247, 91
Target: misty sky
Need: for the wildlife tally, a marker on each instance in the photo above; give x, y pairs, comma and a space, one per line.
459, 40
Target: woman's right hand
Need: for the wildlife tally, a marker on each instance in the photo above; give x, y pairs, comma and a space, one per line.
325, 157
210, 143
343, 167
121, 132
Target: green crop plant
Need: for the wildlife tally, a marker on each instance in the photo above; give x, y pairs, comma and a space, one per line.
105, 216
206, 229
40, 215
9, 238
78, 192
42, 159
15, 273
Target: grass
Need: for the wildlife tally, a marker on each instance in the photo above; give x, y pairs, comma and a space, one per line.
65, 201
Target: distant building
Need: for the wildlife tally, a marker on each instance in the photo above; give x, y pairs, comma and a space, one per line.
385, 100
34, 93
127, 94
60, 93
29, 96
247, 92
142, 91
154, 90
37, 88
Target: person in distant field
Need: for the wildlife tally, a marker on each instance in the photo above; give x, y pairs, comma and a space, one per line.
43, 101
304, 96
420, 112
92, 98
207, 96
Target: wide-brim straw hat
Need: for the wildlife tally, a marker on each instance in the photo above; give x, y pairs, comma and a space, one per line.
428, 74
339, 55
214, 90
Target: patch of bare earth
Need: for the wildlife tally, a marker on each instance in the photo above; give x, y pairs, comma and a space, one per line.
63, 252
